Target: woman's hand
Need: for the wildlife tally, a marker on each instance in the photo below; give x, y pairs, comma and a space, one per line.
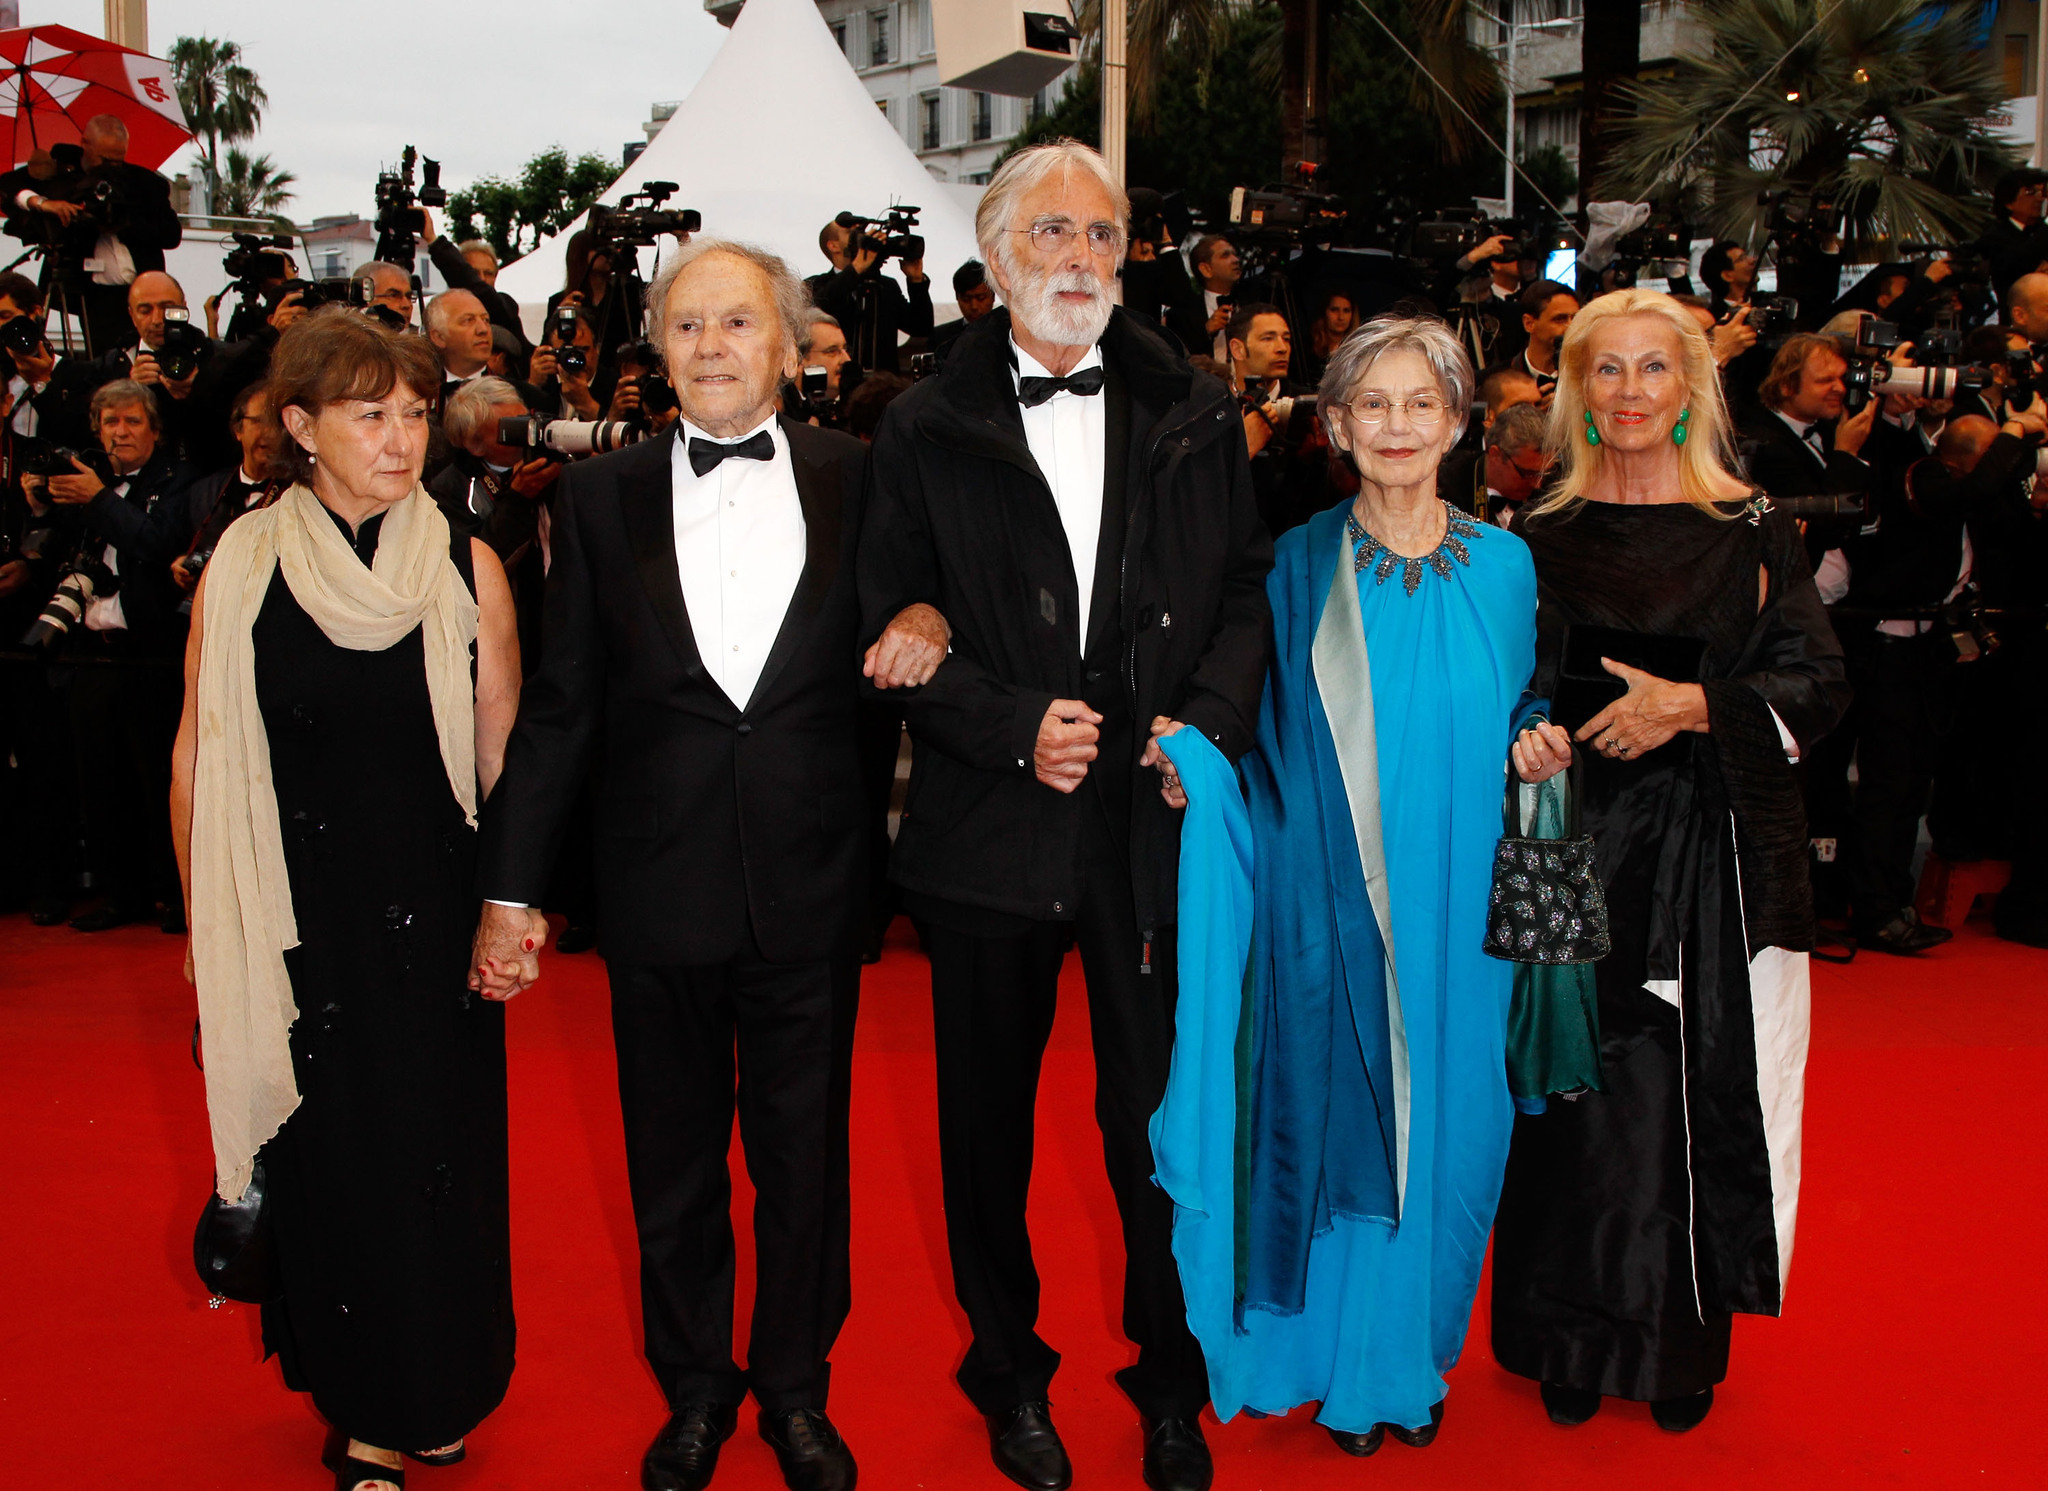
1650, 713
1541, 752
1169, 774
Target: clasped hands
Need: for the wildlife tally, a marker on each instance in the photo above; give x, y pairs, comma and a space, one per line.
1066, 743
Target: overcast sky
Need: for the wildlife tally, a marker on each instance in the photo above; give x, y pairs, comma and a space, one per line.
479, 86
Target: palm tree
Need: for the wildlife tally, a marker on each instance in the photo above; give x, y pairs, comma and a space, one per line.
1880, 111
223, 102
253, 187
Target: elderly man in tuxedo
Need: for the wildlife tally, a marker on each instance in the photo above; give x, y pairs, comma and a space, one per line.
1077, 501
701, 631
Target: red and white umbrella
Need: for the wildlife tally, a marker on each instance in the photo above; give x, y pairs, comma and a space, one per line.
55, 79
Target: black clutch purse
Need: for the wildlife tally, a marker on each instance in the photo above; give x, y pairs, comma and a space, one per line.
1546, 905
231, 1247
1584, 688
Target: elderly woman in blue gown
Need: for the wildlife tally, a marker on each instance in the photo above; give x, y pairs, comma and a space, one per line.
1338, 1118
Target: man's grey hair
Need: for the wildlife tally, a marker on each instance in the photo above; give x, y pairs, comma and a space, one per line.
474, 406
1355, 355
818, 318
1518, 427
477, 246
1023, 172
438, 309
110, 125
120, 394
368, 272
792, 300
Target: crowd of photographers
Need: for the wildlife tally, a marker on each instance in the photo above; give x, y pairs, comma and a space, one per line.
1902, 420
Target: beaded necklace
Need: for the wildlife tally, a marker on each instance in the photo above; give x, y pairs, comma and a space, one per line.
1367, 550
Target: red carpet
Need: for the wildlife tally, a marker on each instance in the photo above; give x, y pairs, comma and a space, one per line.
1912, 1353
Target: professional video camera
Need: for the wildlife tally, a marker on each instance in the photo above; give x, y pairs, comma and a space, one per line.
1773, 317
328, 290
400, 220
1293, 214
253, 265
895, 238
630, 226
562, 438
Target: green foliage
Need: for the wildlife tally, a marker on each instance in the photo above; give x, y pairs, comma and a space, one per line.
1552, 173
1881, 110
253, 186
514, 216
222, 99
1216, 119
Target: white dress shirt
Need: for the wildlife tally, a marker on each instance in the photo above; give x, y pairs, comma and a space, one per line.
24, 419
1219, 345
104, 614
1068, 434
740, 544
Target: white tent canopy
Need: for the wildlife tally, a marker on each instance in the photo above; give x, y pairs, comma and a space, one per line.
777, 138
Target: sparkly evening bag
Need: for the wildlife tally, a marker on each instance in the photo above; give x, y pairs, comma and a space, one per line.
1546, 904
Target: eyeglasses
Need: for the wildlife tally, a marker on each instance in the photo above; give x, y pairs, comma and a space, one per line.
1053, 238
1424, 409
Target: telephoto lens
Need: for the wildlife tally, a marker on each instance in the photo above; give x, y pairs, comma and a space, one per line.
566, 437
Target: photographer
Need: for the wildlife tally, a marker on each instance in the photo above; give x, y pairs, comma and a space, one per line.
496, 490
388, 291
1799, 445
975, 297
46, 395
1507, 473
1289, 458
866, 302
1199, 323
1730, 339
214, 502
459, 330
1499, 258
1931, 521
126, 697
1728, 274
1547, 310
473, 266
563, 374
822, 357
101, 219
610, 300
2016, 243
644, 396
164, 351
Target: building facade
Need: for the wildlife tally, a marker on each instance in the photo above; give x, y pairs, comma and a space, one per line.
955, 132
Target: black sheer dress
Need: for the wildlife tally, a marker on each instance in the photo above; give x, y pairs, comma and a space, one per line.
388, 1184
1634, 1222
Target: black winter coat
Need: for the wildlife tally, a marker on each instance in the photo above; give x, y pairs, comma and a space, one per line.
960, 517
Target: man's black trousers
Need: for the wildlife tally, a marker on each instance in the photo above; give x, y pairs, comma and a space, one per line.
678, 1030
124, 721
992, 1002
1905, 697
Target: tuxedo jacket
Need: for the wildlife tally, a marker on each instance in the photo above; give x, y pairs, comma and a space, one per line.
716, 824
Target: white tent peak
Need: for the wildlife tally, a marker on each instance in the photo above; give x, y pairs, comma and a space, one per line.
776, 138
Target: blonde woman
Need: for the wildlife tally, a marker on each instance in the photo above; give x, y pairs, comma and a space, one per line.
352, 675
1681, 640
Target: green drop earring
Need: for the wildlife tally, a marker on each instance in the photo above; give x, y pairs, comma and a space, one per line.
1678, 430
1592, 431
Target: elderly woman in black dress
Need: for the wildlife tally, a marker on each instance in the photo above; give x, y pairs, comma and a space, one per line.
352, 675
1637, 1220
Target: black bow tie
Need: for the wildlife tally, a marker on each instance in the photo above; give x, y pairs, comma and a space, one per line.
1087, 382
706, 454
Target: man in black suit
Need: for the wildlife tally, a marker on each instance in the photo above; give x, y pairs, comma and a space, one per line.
2016, 243
1077, 502
105, 221
866, 301
1199, 320
701, 627
975, 297
1797, 444
473, 266
127, 646
47, 394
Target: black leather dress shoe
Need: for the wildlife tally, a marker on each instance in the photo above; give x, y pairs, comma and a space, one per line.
685, 1452
1904, 933
1680, 1414
1569, 1406
1424, 1437
1360, 1445
1027, 1448
812, 1455
1176, 1456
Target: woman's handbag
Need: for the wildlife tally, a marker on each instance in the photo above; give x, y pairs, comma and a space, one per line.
231, 1247
1547, 905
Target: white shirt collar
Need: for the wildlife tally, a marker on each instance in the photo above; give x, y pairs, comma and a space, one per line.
1800, 427
691, 432
1030, 367
242, 475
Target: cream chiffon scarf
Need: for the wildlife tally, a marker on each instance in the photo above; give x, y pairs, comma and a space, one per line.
242, 920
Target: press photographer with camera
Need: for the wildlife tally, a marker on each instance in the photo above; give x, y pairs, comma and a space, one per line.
387, 292
215, 501
563, 373
473, 266
1289, 457
1932, 520
115, 616
975, 297
643, 396
1199, 323
459, 329
46, 394
1499, 257
1547, 311
1799, 444
866, 302
101, 220
166, 353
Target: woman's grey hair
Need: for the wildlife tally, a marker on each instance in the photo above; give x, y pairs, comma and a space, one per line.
1026, 170
474, 406
792, 300
1355, 355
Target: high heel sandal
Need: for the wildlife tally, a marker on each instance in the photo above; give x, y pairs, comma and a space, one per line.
349, 1472
452, 1455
